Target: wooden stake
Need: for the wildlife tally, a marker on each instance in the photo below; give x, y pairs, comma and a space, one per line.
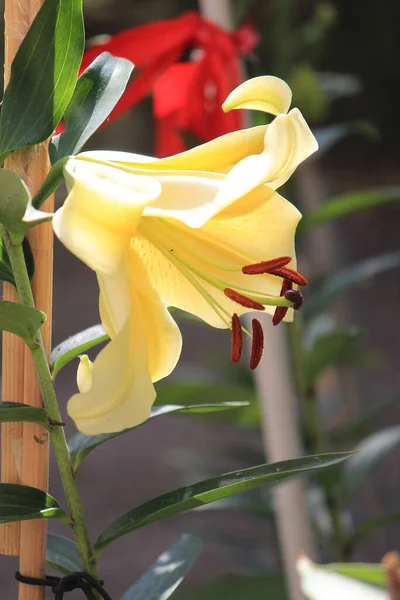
35, 440
31, 165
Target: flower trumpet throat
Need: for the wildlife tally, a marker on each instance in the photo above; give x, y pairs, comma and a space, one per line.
204, 231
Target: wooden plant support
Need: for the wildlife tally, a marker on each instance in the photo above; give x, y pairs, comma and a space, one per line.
25, 450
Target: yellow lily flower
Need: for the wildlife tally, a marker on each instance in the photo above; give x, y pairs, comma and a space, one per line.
185, 231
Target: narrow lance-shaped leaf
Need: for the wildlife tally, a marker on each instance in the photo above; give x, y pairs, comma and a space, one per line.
62, 554
348, 203
321, 295
6, 273
162, 579
336, 348
253, 587
75, 345
369, 573
12, 412
21, 320
365, 423
97, 91
330, 135
320, 583
21, 502
370, 452
365, 528
43, 75
201, 493
81, 445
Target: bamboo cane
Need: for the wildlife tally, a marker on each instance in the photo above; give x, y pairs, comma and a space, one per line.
32, 165
13, 346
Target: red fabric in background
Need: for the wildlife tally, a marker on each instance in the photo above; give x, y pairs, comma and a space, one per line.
187, 95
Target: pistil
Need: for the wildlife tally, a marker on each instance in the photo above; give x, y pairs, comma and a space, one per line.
280, 311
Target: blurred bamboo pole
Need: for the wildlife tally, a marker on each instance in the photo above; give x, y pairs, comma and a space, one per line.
282, 441
273, 382
32, 165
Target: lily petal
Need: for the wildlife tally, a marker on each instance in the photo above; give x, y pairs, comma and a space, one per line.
101, 212
288, 142
117, 390
245, 233
215, 156
84, 376
266, 93
163, 337
121, 394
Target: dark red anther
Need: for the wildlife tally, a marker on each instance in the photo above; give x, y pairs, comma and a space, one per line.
243, 300
296, 297
281, 311
266, 266
257, 346
290, 275
236, 339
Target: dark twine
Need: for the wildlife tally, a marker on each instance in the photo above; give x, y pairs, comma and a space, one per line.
73, 581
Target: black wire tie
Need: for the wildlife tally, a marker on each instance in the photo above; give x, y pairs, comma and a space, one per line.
73, 581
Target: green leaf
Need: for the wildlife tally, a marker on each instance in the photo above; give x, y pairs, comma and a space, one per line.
16, 211
20, 502
365, 528
51, 184
202, 392
6, 273
369, 573
322, 294
366, 423
370, 452
336, 348
348, 203
75, 345
62, 554
14, 198
12, 412
97, 91
43, 75
81, 445
202, 493
21, 320
198, 392
160, 582
254, 587
328, 136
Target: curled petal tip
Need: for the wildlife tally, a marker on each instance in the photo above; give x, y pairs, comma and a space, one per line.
267, 93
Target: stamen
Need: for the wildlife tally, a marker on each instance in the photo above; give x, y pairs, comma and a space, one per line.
291, 275
243, 300
296, 297
266, 266
236, 339
281, 311
257, 346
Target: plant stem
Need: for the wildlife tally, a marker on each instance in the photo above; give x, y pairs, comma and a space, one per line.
315, 433
17, 260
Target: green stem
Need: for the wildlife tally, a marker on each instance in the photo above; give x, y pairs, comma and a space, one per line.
315, 433
16, 255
